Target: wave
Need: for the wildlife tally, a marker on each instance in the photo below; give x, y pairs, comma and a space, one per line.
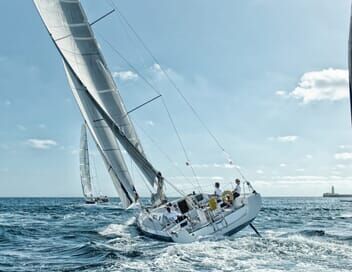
69, 236
115, 230
312, 233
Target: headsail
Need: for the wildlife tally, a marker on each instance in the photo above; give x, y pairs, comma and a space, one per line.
73, 37
105, 141
86, 180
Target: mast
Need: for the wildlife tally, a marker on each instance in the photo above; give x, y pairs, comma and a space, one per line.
93, 85
86, 180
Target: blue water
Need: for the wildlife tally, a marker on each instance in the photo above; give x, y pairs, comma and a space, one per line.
53, 234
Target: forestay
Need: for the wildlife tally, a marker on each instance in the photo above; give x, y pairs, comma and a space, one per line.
86, 180
72, 34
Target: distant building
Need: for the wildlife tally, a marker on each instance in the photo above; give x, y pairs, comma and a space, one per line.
333, 194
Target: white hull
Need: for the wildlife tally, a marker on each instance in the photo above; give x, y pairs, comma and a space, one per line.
224, 222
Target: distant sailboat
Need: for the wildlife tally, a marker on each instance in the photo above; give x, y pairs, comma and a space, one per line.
107, 119
86, 179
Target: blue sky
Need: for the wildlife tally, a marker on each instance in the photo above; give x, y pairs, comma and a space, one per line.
269, 77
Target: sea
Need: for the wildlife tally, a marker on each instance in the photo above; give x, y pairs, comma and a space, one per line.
65, 234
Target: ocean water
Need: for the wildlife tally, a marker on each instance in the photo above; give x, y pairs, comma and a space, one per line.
64, 234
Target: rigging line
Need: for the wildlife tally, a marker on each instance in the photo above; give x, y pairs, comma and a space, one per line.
133, 177
145, 182
164, 153
240, 172
128, 63
102, 17
96, 174
132, 172
145, 103
172, 82
188, 163
169, 78
182, 193
159, 93
131, 39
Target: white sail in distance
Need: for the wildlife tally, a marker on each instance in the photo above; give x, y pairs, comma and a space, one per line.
86, 180
73, 37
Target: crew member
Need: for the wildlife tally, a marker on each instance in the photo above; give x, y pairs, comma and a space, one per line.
237, 191
217, 191
172, 216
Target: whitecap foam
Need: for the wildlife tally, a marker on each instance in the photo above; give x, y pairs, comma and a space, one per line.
114, 230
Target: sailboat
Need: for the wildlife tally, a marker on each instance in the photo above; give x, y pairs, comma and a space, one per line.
109, 123
86, 179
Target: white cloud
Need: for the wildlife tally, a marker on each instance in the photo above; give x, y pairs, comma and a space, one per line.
300, 170
340, 166
295, 180
309, 156
204, 165
280, 93
156, 68
230, 165
157, 73
343, 156
328, 84
345, 146
198, 177
311, 178
284, 139
260, 172
41, 143
217, 178
282, 164
125, 75
215, 165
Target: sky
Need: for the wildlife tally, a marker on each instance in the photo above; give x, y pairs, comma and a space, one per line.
269, 79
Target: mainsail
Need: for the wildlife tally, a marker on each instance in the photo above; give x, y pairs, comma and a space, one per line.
95, 91
86, 180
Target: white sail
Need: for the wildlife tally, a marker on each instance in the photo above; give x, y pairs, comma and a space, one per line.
73, 37
86, 180
105, 142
